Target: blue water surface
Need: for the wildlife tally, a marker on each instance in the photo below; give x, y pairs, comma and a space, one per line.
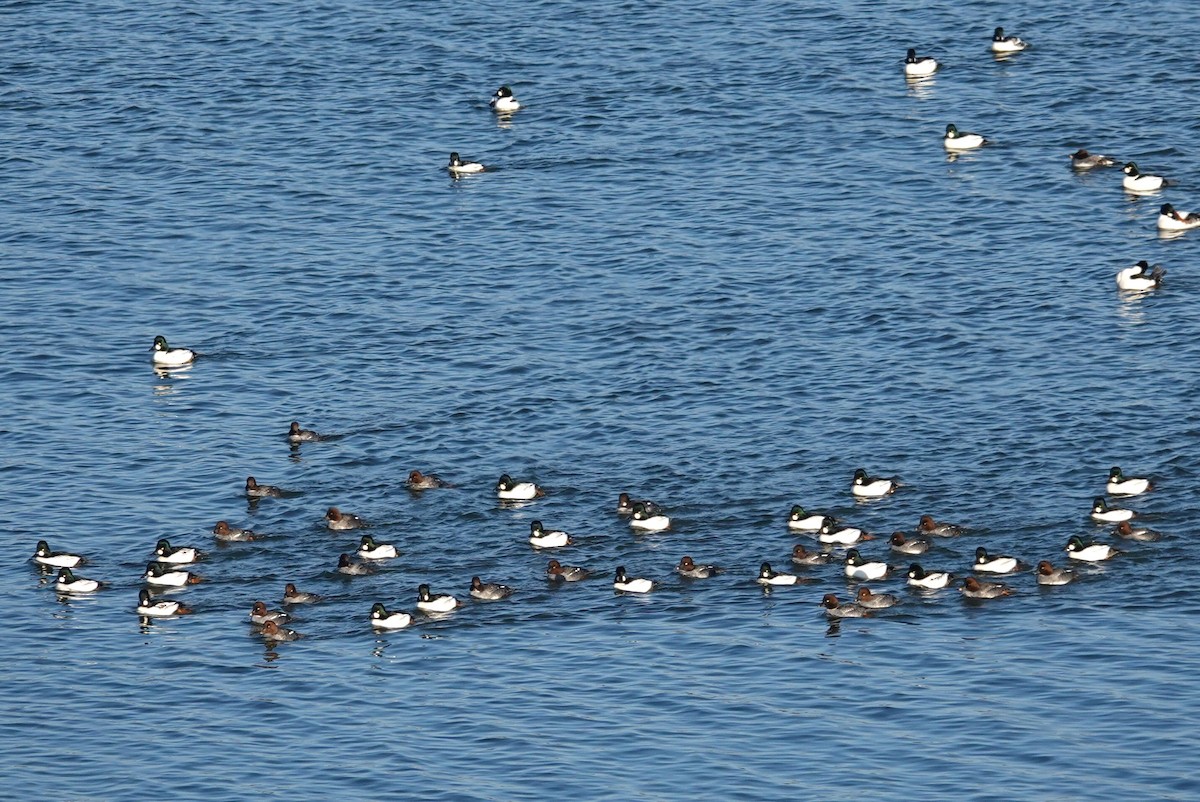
720, 259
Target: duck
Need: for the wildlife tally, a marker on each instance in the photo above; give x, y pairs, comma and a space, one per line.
259, 614
509, 490
1047, 574
858, 568
434, 602
961, 140
297, 435
503, 100
272, 632
223, 531
382, 619
835, 610
255, 490
368, 549
1129, 533
800, 556
687, 567
166, 356
1082, 160
1090, 552
162, 576
906, 545
864, 486
337, 520
541, 538
1102, 512
166, 553
42, 555
919, 66
804, 521
1140, 278
625, 505
458, 166
767, 576
1006, 44
928, 526
67, 582
831, 534
161, 608
996, 563
348, 567
875, 601
918, 577
1121, 485
293, 596
1137, 181
489, 591
424, 481
1170, 219
624, 584
557, 572
973, 588
647, 521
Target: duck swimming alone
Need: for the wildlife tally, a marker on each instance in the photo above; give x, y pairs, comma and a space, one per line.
168, 357
858, 568
458, 166
864, 486
1089, 552
509, 490
648, 521
623, 583
67, 582
687, 567
338, 521
928, 526
255, 490
767, 576
434, 602
557, 572
293, 596
835, 610
1102, 512
42, 555
368, 549
541, 538
804, 521
801, 556
1171, 219
973, 588
961, 140
162, 608
1140, 278
489, 591
1136, 181
875, 601
1082, 160
382, 619
919, 66
918, 577
424, 481
1047, 574
182, 555
1006, 44
298, 435
906, 545
1121, 485
503, 100
223, 531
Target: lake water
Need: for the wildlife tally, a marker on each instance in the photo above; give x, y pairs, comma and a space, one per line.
721, 260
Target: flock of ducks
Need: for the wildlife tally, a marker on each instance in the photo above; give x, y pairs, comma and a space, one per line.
169, 568
837, 542
1139, 278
